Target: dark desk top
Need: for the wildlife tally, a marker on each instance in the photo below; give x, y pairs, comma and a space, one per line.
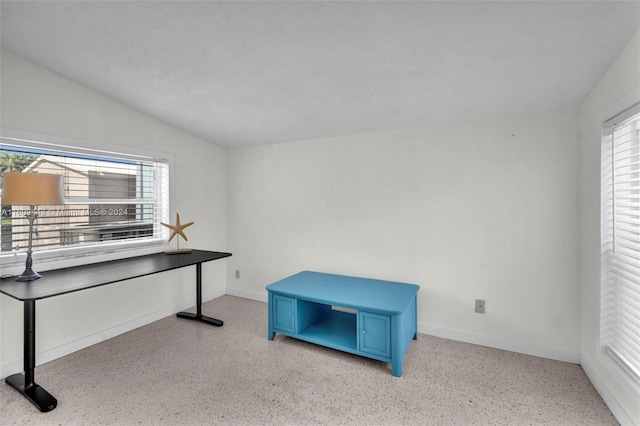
69, 280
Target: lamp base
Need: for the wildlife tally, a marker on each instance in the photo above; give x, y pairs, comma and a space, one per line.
28, 275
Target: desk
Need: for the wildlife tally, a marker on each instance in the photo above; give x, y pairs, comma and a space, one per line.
371, 318
68, 280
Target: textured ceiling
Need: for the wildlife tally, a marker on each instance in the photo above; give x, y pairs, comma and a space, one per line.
249, 73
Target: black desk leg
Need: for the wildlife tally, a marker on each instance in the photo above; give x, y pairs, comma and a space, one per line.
24, 382
198, 315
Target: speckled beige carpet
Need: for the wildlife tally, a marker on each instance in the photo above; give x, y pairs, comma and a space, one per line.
178, 372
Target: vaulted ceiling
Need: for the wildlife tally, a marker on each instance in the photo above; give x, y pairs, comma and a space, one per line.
250, 73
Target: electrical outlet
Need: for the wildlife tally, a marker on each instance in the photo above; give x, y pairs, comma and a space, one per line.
237, 274
480, 306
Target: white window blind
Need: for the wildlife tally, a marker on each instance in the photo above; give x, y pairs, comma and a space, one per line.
113, 200
620, 292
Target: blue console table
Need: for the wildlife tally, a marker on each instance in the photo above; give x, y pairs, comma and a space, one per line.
371, 318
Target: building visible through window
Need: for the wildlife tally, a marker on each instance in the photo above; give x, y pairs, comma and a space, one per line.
111, 201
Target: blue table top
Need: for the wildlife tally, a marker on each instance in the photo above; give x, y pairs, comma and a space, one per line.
350, 292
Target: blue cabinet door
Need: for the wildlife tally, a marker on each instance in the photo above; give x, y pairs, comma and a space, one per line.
374, 335
284, 314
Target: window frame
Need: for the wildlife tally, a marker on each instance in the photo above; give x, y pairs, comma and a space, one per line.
617, 113
13, 263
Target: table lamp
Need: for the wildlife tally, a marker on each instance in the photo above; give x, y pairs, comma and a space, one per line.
31, 189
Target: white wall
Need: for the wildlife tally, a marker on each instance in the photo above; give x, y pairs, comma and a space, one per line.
619, 87
476, 209
36, 100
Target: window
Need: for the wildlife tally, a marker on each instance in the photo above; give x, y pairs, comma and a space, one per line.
115, 199
620, 292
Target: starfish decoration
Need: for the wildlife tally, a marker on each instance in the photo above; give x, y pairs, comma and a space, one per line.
177, 228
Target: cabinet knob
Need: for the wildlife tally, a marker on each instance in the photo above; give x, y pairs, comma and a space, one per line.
363, 331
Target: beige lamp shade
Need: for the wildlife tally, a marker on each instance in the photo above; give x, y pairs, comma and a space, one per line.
32, 189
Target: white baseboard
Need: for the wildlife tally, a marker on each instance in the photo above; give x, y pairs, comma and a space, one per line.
462, 336
600, 385
247, 294
511, 345
478, 339
76, 345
